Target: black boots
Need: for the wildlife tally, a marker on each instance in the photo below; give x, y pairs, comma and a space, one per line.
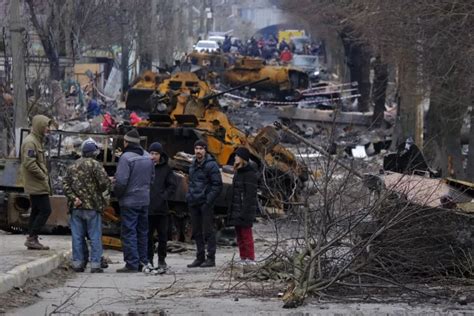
196, 263
126, 269
209, 263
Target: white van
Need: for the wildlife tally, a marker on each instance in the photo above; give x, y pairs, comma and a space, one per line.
210, 46
216, 38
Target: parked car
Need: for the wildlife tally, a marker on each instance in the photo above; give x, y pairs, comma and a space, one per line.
309, 64
216, 38
207, 45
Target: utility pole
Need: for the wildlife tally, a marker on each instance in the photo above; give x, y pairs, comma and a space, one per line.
208, 16
125, 50
17, 30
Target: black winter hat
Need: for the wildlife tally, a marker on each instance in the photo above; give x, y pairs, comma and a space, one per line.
132, 137
243, 153
200, 143
156, 147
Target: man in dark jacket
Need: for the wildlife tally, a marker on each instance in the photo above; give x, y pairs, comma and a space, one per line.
162, 188
244, 204
205, 185
36, 179
133, 178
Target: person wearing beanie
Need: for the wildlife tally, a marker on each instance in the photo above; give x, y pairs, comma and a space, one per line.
244, 204
132, 137
36, 179
86, 186
243, 153
89, 149
162, 189
200, 143
133, 178
205, 185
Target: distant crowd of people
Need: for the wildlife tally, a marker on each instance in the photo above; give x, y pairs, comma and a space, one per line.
269, 48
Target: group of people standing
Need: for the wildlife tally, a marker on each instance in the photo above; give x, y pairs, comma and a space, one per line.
143, 184
267, 49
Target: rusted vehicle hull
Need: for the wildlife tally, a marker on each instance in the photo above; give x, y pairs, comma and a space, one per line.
15, 206
15, 211
283, 80
142, 88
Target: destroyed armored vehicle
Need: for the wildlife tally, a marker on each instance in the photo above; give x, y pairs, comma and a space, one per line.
61, 150
185, 109
142, 88
284, 81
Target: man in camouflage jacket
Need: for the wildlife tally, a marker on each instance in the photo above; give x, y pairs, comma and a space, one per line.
86, 186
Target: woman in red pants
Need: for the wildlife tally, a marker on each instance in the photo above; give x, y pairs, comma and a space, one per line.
244, 203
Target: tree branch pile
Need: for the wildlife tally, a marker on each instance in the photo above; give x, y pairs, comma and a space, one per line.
347, 236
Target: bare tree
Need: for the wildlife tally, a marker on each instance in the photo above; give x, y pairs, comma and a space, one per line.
429, 44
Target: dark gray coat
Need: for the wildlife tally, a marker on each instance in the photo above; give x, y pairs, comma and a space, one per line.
243, 208
163, 187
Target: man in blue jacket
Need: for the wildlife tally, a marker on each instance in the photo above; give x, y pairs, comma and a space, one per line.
205, 185
135, 172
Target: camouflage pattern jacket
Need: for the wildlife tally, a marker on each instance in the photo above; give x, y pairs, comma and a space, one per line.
87, 180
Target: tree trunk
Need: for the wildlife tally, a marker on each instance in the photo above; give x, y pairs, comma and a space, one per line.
379, 90
409, 101
444, 123
452, 142
124, 67
17, 30
145, 38
166, 35
59, 102
358, 61
470, 159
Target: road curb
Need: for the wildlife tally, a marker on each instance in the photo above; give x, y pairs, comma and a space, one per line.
20, 274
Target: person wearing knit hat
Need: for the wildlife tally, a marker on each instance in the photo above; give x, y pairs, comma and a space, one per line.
243, 153
200, 143
133, 179
156, 147
162, 189
244, 204
132, 137
205, 186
